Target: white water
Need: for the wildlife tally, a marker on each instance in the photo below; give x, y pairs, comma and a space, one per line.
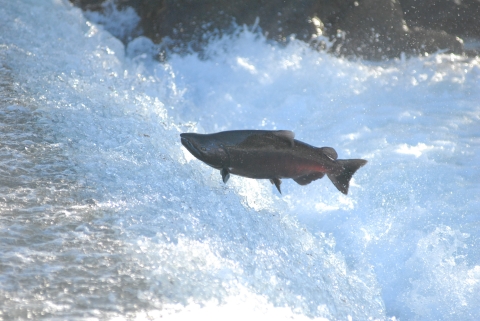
105, 216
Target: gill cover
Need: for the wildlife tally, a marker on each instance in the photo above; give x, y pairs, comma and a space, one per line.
206, 148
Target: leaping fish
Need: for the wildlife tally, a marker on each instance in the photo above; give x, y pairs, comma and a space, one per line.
273, 155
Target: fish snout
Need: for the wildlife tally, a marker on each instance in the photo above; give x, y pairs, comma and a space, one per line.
190, 146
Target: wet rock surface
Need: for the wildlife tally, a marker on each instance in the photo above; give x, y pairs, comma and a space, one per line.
456, 17
376, 29
369, 29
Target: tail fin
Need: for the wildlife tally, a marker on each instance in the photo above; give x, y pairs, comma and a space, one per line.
342, 180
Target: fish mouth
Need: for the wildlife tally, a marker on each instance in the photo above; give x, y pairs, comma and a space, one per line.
189, 146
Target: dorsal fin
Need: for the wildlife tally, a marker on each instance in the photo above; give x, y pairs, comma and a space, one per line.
329, 152
285, 134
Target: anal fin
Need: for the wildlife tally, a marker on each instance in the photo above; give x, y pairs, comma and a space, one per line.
277, 183
307, 179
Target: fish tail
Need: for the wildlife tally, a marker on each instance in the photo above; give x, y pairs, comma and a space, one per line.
342, 180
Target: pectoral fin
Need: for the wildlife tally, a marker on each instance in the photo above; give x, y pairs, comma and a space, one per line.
307, 179
277, 183
225, 175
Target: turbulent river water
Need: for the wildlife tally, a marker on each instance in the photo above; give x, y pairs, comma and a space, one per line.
104, 215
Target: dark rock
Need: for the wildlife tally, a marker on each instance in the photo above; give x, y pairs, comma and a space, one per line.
192, 21
427, 41
375, 29
371, 29
456, 17
93, 5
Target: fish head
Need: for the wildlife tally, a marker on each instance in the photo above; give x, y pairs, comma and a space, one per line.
206, 148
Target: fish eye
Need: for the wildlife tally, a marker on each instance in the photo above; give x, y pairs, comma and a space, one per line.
203, 149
